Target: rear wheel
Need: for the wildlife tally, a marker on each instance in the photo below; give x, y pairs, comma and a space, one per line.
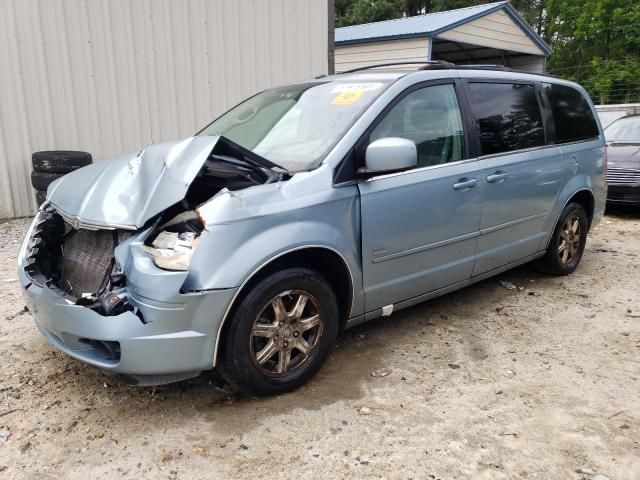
567, 243
281, 333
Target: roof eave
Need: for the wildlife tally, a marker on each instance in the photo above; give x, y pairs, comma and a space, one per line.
471, 18
513, 14
383, 39
526, 28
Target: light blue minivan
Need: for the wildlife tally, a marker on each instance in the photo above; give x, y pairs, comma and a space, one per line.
307, 209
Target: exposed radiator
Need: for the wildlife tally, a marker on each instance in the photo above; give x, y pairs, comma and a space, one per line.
86, 259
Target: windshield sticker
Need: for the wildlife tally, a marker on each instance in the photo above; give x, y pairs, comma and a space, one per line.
348, 97
362, 87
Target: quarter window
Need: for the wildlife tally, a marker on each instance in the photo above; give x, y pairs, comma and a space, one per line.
508, 116
430, 117
572, 115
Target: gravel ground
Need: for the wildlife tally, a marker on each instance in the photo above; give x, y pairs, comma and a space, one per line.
541, 381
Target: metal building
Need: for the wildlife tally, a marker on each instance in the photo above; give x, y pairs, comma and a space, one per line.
485, 34
110, 76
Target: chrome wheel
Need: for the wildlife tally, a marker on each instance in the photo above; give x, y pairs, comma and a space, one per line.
286, 333
569, 245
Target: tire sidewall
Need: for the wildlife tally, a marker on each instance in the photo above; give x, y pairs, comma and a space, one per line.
236, 360
561, 268
59, 161
42, 180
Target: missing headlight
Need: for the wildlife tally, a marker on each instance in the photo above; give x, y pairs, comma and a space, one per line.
172, 250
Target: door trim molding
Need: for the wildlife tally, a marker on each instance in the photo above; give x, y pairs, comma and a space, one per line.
423, 248
418, 170
485, 231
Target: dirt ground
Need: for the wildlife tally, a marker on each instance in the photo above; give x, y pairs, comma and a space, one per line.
541, 381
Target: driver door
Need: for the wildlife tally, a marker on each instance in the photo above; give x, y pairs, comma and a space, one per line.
420, 227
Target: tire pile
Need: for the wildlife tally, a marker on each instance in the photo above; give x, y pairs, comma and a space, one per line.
51, 165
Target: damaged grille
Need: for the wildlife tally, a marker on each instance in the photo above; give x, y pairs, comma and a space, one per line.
78, 262
87, 257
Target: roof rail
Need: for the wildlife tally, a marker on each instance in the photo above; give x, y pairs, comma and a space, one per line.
426, 64
436, 65
471, 66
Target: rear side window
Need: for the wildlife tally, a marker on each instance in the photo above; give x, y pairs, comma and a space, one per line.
572, 115
508, 116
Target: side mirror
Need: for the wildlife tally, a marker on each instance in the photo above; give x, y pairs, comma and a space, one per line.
390, 154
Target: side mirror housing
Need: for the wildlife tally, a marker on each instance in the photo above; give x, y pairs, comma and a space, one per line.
390, 154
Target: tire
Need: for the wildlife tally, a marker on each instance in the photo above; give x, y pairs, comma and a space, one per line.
41, 196
563, 261
243, 360
59, 161
41, 180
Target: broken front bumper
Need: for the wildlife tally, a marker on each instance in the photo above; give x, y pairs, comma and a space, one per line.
172, 339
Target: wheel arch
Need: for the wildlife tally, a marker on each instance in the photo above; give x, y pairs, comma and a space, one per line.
323, 259
585, 197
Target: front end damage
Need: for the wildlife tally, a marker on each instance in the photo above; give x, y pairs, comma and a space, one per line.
106, 286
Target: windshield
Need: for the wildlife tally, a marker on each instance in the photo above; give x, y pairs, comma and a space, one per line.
296, 126
624, 130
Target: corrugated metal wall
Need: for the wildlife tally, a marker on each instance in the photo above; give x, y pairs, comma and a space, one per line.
111, 76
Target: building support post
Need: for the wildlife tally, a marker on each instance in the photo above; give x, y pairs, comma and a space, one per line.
331, 37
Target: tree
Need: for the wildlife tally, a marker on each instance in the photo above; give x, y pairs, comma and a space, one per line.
596, 43
355, 12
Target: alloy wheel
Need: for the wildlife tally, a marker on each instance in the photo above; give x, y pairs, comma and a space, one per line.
570, 238
286, 333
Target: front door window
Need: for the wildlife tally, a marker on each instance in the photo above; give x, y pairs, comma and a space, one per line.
430, 117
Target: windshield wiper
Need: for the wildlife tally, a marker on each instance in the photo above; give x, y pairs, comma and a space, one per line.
226, 167
229, 148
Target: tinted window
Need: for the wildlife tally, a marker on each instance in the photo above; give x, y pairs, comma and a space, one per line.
573, 118
430, 117
508, 116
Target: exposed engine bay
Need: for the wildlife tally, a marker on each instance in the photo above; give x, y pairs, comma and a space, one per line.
229, 166
80, 262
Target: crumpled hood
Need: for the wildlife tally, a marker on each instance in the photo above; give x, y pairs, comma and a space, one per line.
128, 190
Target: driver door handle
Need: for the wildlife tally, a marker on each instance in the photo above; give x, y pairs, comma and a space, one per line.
465, 183
498, 176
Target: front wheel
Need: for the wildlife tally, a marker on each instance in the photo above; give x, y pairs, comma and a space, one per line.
567, 242
281, 333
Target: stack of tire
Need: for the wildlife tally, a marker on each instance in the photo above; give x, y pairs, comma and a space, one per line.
51, 165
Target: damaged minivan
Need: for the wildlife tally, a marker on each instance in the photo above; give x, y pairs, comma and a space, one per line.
307, 209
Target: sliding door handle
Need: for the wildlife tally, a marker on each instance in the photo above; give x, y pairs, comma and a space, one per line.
465, 183
499, 176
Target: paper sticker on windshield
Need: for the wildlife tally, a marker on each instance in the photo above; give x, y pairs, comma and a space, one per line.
362, 87
348, 97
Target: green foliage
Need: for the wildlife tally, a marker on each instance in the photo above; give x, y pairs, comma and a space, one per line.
354, 12
594, 42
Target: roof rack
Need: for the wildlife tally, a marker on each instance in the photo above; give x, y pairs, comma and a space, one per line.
425, 64
431, 65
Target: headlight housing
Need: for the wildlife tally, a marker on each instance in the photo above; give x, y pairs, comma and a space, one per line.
171, 250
